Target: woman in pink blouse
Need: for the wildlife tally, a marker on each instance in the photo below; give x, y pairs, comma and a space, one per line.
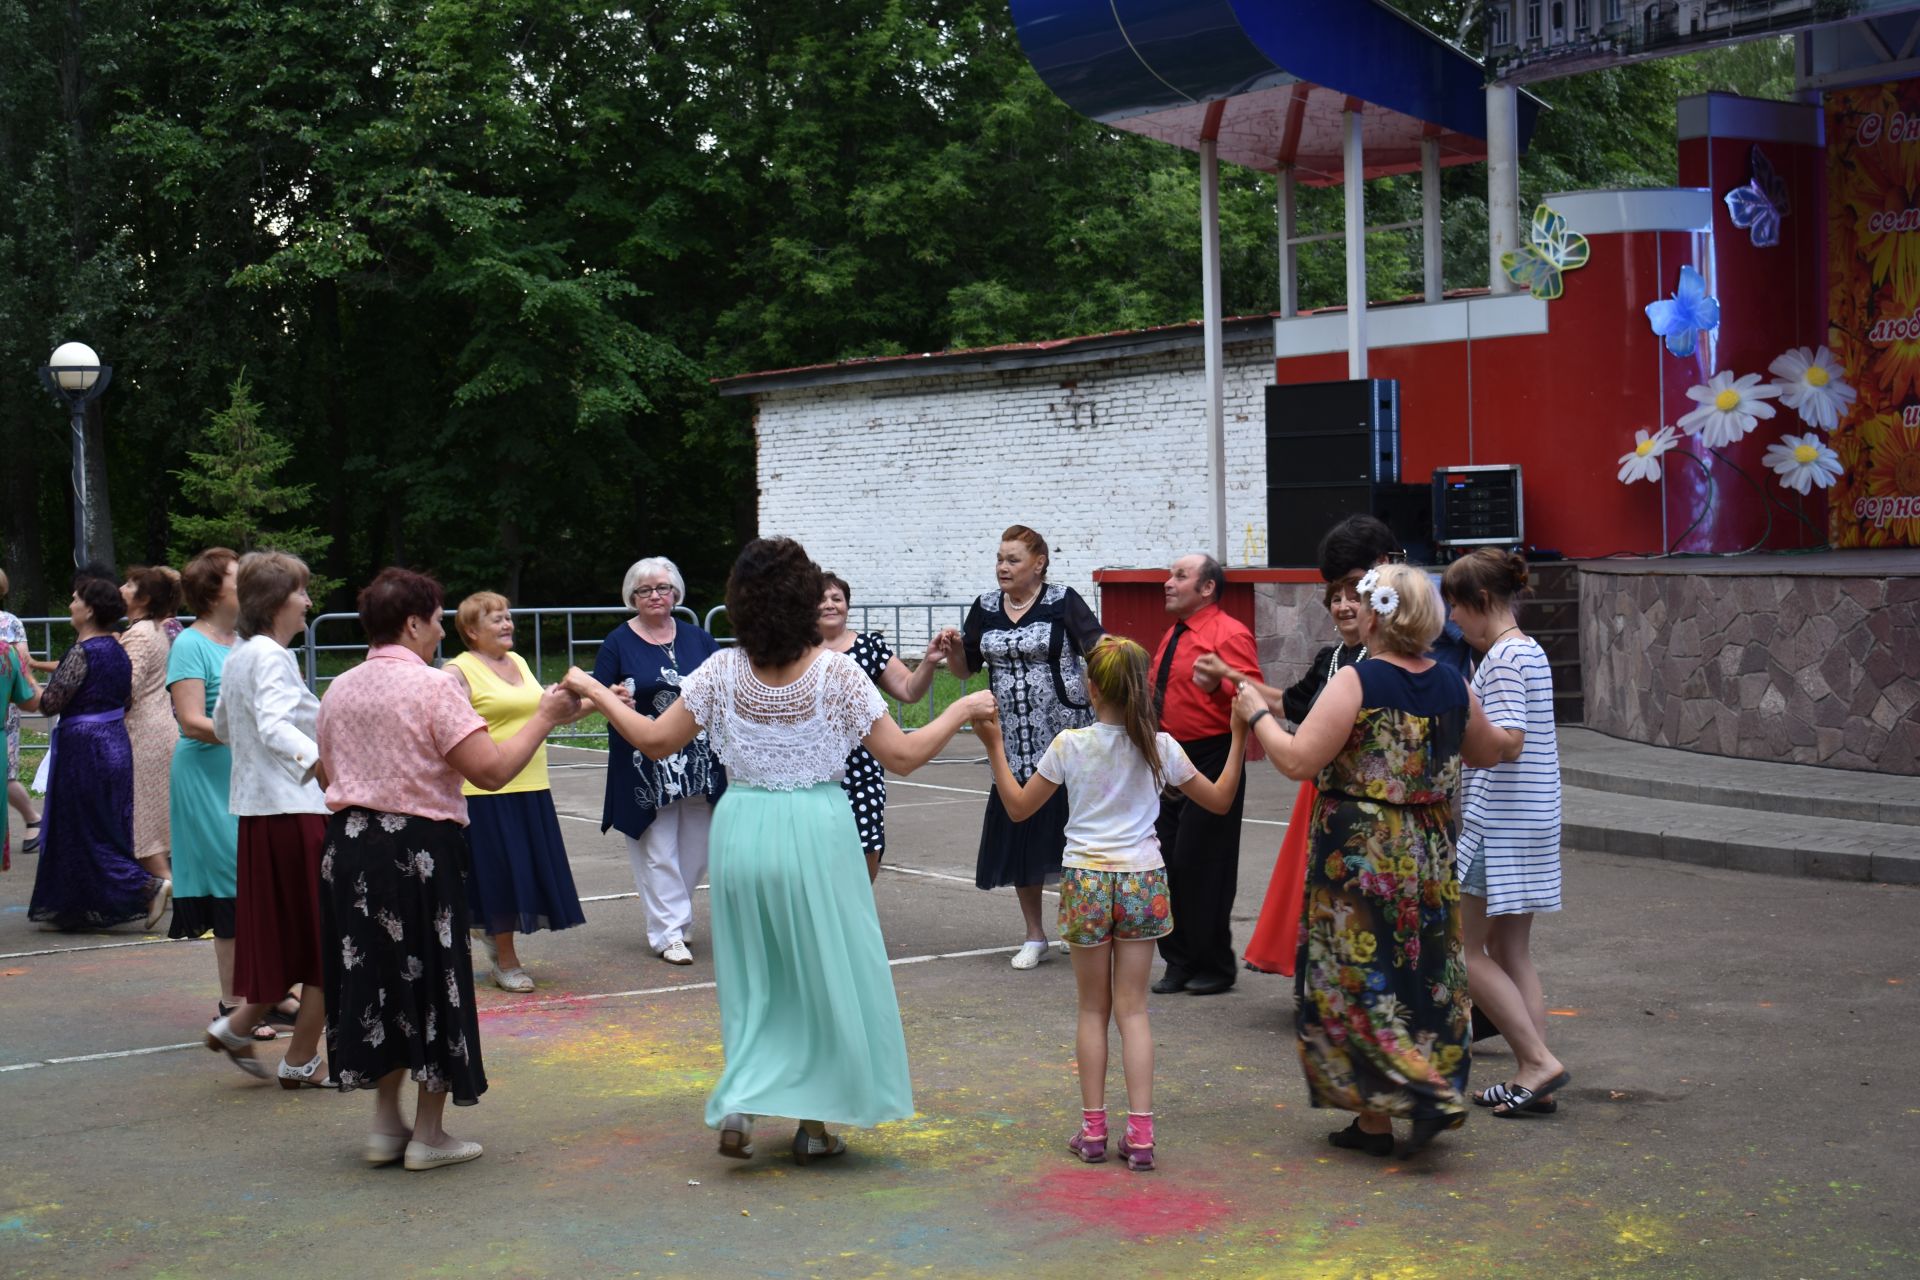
396, 739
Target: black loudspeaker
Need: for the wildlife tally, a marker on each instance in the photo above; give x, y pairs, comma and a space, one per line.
1330, 448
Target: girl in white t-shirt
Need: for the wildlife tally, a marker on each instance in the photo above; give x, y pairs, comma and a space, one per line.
1113, 886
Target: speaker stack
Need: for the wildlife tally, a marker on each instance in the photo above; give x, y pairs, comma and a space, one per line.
1333, 450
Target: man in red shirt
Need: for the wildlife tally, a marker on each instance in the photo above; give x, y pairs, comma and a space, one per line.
1202, 850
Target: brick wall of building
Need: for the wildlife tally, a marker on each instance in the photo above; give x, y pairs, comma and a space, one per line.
903, 486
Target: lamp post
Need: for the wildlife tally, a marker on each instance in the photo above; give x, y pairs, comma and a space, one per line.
74, 376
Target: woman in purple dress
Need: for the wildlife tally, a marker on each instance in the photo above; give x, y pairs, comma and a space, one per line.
88, 877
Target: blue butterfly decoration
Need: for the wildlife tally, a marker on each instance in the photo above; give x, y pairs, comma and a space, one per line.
1680, 319
1759, 205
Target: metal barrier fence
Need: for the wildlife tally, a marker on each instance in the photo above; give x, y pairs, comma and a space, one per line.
571, 635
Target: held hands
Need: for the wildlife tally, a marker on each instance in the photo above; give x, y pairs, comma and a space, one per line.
985, 715
1209, 669
945, 642
1246, 704
578, 683
560, 705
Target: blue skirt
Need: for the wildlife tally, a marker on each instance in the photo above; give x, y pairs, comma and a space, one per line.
518, 880
808, 1016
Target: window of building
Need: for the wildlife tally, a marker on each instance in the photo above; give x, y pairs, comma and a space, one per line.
1533, 19
1582, 14
1499, 27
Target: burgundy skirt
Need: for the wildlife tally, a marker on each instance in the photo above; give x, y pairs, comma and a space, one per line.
276, 936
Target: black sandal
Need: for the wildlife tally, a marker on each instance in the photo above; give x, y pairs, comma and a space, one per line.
1497, 1094
32, 843
1520, 1100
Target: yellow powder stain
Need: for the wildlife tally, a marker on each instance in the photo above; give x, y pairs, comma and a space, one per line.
1640, 1236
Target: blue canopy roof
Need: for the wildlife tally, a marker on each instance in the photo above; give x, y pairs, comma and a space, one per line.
1268, 79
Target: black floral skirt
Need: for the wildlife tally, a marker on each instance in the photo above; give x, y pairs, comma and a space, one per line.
399, 981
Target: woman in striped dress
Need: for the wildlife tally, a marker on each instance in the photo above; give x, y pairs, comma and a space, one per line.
1509, 849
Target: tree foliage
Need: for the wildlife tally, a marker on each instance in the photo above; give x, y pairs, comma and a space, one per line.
482, 257
234, 478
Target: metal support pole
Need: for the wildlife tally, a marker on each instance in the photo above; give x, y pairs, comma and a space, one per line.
1213, 334
1287, 209
1353, 161
82, 517
1430, 246
1503, 183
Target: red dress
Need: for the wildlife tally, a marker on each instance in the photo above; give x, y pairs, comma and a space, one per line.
1276, 934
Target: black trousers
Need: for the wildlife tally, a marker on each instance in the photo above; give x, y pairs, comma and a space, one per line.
1202, 851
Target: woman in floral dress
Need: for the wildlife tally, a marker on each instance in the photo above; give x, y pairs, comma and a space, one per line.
1381, 1004
396, 737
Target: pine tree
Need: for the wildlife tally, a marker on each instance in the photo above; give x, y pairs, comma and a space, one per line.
236, 479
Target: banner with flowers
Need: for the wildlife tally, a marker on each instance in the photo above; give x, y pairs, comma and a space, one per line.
1873, 311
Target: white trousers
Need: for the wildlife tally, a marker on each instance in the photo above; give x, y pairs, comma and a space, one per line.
669, 859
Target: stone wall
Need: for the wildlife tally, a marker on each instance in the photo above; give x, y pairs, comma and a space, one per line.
1813, 669
1290, 625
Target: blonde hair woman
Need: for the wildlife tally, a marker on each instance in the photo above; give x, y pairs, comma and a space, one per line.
1381, 1001
518, 880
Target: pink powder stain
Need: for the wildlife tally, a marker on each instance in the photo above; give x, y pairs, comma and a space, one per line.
1112, 1200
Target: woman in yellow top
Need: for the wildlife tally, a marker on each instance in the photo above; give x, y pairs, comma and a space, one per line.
519, 881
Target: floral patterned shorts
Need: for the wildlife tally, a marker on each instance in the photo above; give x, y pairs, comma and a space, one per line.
1127, 906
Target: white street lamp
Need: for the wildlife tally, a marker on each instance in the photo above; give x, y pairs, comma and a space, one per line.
74, 376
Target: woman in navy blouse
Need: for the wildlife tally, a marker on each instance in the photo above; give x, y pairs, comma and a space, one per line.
663, 807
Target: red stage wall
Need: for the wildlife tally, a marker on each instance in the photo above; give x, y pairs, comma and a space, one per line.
1564, 403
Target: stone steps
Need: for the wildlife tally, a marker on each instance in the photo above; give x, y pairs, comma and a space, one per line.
1742, 840
1782, 819
1600, 763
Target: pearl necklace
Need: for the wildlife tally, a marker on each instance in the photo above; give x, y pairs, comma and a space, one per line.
1025, 605
1333, 663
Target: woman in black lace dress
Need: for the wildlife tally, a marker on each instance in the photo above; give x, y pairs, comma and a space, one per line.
866, 782
1032, 637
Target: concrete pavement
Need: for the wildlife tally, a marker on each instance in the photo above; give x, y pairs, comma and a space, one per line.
1741, 1047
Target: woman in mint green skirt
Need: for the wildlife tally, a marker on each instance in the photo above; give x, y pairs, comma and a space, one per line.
808, 1016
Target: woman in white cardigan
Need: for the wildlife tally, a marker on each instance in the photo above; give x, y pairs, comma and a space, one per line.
266, 715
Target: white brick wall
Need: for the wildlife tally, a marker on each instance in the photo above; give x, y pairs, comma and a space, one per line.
904, 486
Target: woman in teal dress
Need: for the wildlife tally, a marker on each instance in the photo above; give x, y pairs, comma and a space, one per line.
808, 1016
1380, 979
206, 837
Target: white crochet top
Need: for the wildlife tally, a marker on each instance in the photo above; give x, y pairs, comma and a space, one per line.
781, 739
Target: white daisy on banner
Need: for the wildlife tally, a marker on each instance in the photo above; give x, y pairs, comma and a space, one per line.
1813, 383
1729, 408
1644, 462
1803, 462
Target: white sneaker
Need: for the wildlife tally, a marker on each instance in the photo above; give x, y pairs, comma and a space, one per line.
676, 953
1030, 955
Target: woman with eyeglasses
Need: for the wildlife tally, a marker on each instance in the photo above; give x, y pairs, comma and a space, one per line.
663, 807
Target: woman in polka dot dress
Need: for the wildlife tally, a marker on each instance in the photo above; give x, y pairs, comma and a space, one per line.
866, 782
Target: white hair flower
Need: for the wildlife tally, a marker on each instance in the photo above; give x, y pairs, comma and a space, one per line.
1368, 581
1384, 600
1813, 383
1729, 407
1644, 462
1802, 462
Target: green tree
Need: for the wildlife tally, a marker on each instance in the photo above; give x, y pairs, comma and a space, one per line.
235, 479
